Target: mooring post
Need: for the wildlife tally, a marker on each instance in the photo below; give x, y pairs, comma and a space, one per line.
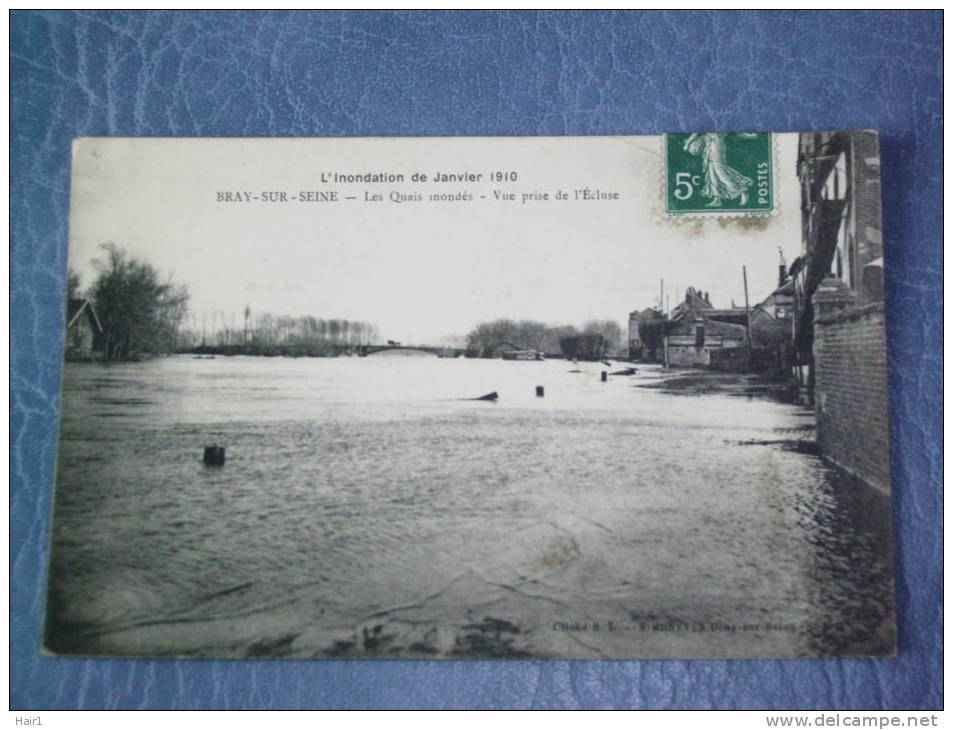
539, 391
605, 376
214, 456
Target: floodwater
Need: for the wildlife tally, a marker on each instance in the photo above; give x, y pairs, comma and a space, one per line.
367, 509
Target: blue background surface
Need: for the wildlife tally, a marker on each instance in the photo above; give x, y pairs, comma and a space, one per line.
328, 74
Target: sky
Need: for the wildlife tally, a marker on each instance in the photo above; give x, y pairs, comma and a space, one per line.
419, 270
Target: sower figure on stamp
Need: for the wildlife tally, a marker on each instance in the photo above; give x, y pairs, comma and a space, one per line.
721, 181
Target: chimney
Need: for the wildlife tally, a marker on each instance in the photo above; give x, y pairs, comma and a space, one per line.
782, 275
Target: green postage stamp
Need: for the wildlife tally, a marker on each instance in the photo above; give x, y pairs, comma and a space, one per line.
719, 173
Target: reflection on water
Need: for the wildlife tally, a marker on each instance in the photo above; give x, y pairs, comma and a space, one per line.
367, 509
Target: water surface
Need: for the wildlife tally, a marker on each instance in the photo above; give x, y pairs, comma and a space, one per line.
366, 509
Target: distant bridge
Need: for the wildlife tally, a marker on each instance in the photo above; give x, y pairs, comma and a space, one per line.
365, 350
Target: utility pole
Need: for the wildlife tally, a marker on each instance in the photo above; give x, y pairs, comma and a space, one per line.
744, 274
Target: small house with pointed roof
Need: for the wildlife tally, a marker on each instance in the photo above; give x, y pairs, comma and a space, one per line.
84, 332
698, 328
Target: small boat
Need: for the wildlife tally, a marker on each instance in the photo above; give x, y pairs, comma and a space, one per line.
626, 371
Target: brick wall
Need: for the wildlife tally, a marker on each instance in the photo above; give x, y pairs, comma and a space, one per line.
851, 391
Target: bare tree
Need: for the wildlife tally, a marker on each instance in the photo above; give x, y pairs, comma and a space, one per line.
611, 333
139, 312
72, 285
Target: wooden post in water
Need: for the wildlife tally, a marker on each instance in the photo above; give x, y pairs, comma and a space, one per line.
214, 456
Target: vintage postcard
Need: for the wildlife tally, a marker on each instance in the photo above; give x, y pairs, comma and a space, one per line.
601, 397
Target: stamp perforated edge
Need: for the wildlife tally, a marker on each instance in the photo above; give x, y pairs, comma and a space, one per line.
702, 215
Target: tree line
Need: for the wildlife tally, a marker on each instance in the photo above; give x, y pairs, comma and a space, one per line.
143, 312
252, 332
595, 340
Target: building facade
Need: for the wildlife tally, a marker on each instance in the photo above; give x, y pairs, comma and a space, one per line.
700, 335
634, 341
841, 227
705, 343
840, 339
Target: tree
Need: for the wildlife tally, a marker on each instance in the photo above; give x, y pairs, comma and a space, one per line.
487, 337
611, 332
587, 346
72, 286
139, 312
171, 312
